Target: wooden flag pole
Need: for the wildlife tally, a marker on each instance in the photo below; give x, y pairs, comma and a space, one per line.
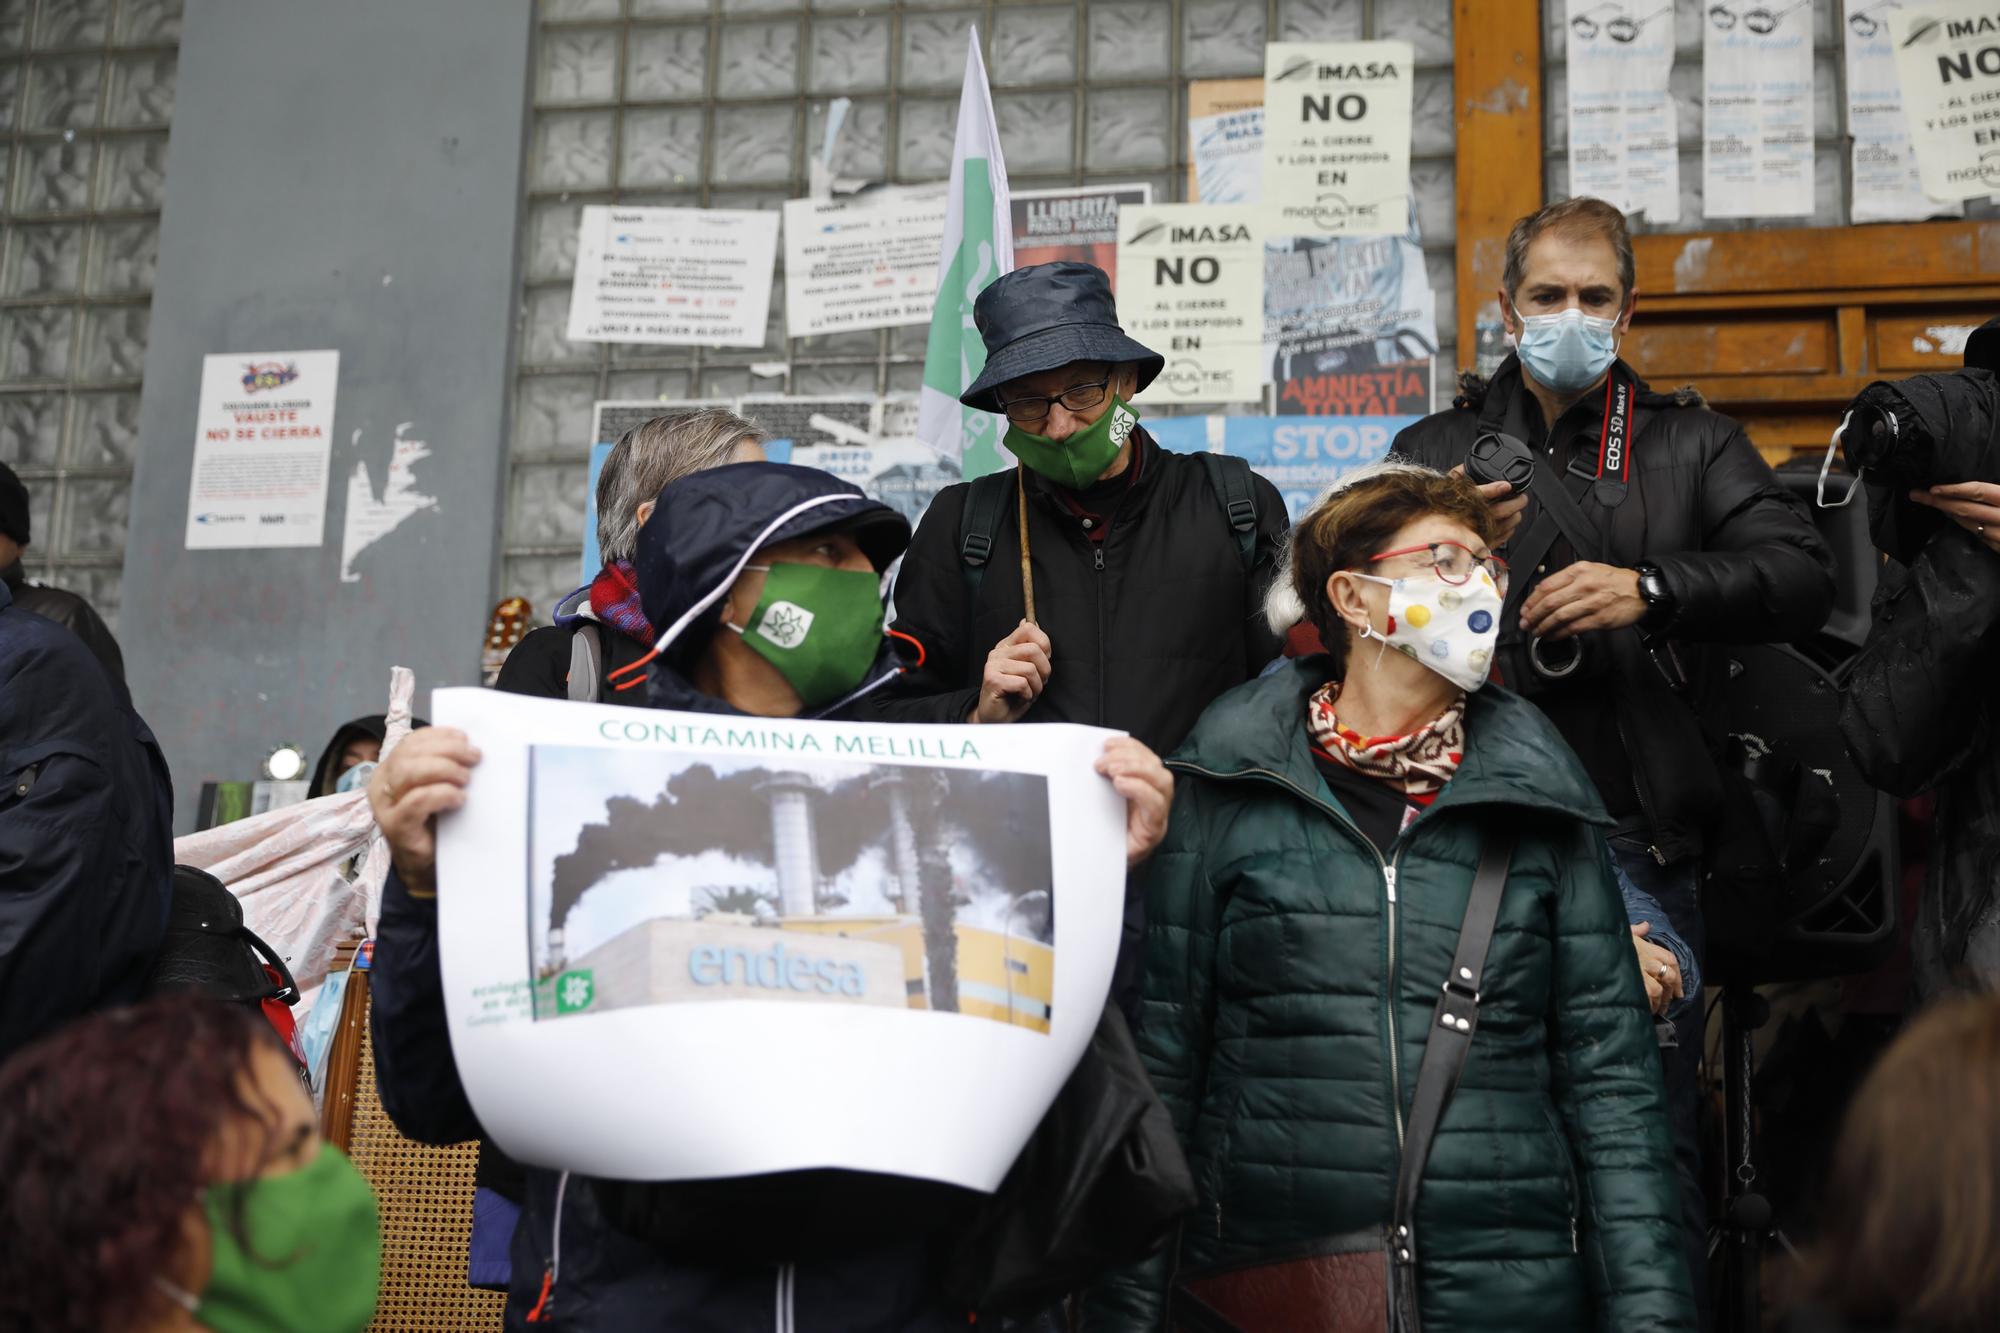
1021, 506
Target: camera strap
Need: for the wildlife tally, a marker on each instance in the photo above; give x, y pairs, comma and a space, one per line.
1614, 440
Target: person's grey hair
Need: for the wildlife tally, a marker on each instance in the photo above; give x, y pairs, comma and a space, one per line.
652, 454
1572, 217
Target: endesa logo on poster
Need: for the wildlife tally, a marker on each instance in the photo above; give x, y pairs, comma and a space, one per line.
261, 375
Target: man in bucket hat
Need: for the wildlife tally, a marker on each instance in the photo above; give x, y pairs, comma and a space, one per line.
1128, 595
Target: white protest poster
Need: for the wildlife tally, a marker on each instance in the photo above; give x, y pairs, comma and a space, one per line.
735, 945
263, 445
1886, 185
1191, 287
1948, 60
865, 262
1757, 116
1337, 137
1622, 131
686, 276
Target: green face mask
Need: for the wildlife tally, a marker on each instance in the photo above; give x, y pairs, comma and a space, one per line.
822, 628
1079, 460
314, 1254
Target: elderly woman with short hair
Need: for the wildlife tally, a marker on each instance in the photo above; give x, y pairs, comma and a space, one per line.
1310, 933
640, 465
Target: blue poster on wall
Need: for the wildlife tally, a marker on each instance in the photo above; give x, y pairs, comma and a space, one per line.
1301, 456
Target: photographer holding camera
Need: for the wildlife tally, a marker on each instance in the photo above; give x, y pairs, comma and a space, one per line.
1915, 709
1649, 524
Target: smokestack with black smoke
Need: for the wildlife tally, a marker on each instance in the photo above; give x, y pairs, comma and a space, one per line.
1000, 818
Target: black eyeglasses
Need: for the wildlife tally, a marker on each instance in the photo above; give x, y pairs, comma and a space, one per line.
1077, 398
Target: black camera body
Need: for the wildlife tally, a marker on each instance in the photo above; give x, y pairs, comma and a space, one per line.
1930, 429
1537, 665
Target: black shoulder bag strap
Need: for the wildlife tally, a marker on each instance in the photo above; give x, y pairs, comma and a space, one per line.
1230, 478
1450, 1041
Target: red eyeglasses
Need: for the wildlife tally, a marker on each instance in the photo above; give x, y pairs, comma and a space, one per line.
1453, 562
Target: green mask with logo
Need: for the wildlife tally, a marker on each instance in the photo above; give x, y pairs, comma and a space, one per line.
821, 628
313, 1257
1082, 458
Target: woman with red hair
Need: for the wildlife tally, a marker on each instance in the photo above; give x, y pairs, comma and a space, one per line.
164, 1171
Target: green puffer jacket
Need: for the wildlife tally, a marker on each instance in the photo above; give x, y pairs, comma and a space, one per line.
1288, 993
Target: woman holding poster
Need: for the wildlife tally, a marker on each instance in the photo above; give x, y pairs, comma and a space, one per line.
764, 581
1390, 992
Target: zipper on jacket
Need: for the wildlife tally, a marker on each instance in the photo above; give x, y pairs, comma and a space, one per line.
543, 1311
1389, 872
787, 1314
1097, 564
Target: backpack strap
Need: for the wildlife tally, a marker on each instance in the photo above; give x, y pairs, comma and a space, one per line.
985, 504
1229, 477
586, 657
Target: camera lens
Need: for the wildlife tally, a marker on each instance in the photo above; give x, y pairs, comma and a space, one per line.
1555, 660
1869, 438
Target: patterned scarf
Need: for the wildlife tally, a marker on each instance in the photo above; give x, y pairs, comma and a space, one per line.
1419, 763
614, 596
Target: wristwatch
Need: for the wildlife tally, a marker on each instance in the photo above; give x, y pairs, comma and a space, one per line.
1660, 604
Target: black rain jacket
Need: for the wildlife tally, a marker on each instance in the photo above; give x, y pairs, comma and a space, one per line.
1146, 627
1738, 552
1916, 708
86, 833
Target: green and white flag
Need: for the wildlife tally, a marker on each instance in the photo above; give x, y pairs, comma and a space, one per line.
978, 247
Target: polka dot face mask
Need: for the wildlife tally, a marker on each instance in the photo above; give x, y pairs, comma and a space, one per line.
1450, 628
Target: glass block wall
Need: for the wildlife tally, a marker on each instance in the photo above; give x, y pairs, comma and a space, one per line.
715, 102
1832, 172
86, 92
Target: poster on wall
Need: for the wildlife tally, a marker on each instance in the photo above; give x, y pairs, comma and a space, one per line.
802, 944
1300, 455
1948, 60
1191, 280
1350, 325
684, 276
866, 261
1622, 127
1078, 223
1887, 186
263, 447
1225, 141
1757, 113
1337, 137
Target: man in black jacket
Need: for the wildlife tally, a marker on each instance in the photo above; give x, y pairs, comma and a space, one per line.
1149, 568
1689, 539
806, 1251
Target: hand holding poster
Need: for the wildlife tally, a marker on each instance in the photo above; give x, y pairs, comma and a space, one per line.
733, 945
687, 276
1337, 137
1948, 57
1191, 287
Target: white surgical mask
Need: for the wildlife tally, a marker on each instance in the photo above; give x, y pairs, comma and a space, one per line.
1569, 350
1450, 628
1826, 466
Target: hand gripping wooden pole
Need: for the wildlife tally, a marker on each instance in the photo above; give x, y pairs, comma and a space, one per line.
1021, 507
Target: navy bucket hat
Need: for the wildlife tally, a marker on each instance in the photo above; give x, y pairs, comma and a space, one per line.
1047, 316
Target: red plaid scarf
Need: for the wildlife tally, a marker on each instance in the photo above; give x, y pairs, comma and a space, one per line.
614, 596
1419, 763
